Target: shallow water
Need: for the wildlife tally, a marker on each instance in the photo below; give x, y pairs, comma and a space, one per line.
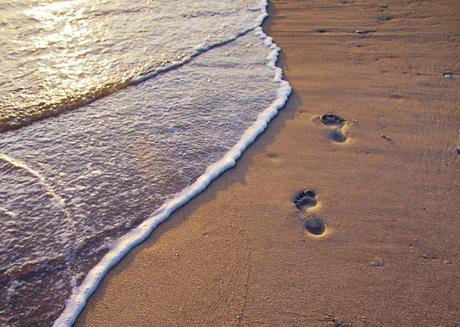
71, 185
60, 54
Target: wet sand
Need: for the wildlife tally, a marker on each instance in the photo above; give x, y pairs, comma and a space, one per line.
386, 182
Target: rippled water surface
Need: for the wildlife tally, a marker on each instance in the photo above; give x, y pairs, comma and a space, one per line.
60, 54
72, 184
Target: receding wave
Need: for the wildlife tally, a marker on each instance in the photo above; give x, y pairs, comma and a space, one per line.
63, 55
14, 116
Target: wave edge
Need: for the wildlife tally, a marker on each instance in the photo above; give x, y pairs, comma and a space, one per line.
125, 244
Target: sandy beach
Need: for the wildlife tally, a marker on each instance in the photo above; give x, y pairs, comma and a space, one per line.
385, 180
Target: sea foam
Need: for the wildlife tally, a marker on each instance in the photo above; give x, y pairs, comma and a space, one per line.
122, 247
143, 151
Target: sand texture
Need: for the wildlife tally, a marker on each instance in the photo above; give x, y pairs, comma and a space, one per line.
385, 180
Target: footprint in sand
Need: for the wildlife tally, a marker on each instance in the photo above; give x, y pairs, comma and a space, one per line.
337, 126
305, 201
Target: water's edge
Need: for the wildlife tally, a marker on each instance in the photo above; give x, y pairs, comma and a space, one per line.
125, 244
10, 125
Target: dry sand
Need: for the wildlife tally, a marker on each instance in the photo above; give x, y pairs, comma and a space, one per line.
239, 255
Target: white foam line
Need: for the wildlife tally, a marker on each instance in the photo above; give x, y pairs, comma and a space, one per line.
201, 49
136, 236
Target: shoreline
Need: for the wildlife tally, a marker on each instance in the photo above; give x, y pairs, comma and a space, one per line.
139, 234
238, 252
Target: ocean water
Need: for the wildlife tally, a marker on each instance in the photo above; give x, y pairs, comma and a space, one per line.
114, 114
60, 54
